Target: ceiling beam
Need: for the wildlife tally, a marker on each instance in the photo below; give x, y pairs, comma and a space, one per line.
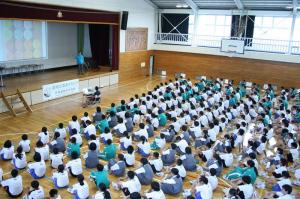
192, 4
239, 4
149, 2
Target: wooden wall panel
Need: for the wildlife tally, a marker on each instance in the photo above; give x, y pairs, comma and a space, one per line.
260, 71
130, 64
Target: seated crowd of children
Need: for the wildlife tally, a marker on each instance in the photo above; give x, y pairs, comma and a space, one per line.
226, 136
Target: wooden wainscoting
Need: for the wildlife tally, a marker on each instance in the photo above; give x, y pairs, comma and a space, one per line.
259, 71
130, 64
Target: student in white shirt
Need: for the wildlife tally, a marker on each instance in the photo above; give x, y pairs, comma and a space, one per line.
106, 135
120, 128
74, 124
90, 129
227, 158
75, 165
19, 159
203, 189
103, 192
141, 132
1, 174
37, 169
181, 169
155, 192
43, 150
144, 147
53, 193
80, 189
44, 136
125, 141
56, 158
131, 185
25, 143
84, 119
129, 157
246, 189
181, 145
62, 131
156, 163
35, 191
286, 192
13, 186
77, 136
212, 178
60, 177
7, 151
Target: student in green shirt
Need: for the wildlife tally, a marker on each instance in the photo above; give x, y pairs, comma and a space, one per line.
239, 172
102, 124
162, 118
123, 104
112, 108
100, 176
72, 146
109, 151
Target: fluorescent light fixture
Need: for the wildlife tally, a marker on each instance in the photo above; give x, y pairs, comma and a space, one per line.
291, 7
182, 6
185, 6
178, 6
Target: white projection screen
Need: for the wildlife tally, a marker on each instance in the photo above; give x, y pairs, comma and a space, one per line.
22, 40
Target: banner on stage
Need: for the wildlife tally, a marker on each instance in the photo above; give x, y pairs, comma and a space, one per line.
60, 89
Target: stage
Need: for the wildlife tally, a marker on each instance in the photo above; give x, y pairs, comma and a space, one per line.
35, 81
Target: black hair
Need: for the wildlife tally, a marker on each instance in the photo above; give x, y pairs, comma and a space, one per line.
19, 152
37, 157
80, 179
14, 173
74, 155
35, 184
53, 192
24, 137
155, 186
100, 167
7, 144
130, 174
93, 146
61, 168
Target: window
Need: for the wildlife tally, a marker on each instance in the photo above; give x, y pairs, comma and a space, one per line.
277, 28
214, 25
22, 40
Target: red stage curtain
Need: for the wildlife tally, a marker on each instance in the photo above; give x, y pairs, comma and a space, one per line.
115, 47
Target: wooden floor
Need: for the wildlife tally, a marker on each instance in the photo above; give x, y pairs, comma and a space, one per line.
51, 113
34, 81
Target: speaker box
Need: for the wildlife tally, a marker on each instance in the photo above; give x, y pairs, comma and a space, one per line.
124, 20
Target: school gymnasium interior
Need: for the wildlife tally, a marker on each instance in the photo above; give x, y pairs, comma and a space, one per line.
150, 99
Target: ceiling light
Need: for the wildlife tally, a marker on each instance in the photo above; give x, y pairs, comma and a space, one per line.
178, 6
182, 6
185, 6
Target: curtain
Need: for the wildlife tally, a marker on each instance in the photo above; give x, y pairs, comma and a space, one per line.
80, 37
99, 40
115, 47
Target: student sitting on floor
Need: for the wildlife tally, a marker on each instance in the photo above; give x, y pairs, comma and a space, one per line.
112, 119
181, 169
56, 158
80, 189
188, 159
117, 168
44, 136
19, 159
73, 147
130, 186
91, 157
89, 130
58, 143
103, 192
78, 137
102, 124
129, 157
106, 136
128, 122
156, 163
62, 131
25, 143
60, 177
7, 151
159, 142
100, 176
168, 156
74, 165
155, 191
125, 141
145, 173
35, 191
144, 147
74, 124
203, 189
43, 150
97, 116
109, 151
173, 184
37, 169
212, 178
84, 119
120, 128
14, 185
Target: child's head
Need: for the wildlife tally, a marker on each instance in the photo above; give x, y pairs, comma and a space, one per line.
188, 150
73, 140
56, 135
144, 161
74, 155
93, 137
109, 142
85, 114
92, 146
179, 162
155, 186
39, 144
35, 184
60, 125
24, 137
61, 168
173, 146
53, 193
203, 179
130, 149
213, 171
106, 130
120, 157
55, 150
7, 144
100, 167
130, 174
44, 130
14, 173
74, 131
246, 179
287, 189
88, 122
156, 155
37, 157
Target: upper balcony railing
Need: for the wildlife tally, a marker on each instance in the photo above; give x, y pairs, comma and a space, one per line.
251, 44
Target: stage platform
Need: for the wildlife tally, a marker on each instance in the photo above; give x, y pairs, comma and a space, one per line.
30, 85
35, 81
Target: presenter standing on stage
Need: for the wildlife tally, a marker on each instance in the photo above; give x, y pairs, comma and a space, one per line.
80, 63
